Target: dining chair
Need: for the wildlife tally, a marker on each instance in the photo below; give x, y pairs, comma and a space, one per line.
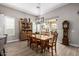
3, 41
4, 51
34, 42
28, 38
53, 42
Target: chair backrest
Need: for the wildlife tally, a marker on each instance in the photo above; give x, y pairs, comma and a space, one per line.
5, 38
55, 37
52, 33
29, 35
32, 38
1, 44
3, 41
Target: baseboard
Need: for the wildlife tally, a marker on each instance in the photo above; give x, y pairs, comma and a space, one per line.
13, 41
75, 45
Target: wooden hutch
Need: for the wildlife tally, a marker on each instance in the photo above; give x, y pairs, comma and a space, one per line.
25, 28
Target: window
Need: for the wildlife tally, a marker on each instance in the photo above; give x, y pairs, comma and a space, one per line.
9, 25
34, 27
52, 24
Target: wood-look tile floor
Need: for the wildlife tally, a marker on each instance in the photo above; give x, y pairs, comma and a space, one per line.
21, 49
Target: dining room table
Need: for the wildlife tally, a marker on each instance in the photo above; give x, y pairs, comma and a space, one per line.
44, 39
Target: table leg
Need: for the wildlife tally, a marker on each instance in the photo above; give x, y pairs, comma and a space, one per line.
42, 46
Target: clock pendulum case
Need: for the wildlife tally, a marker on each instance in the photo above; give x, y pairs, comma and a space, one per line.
65, 39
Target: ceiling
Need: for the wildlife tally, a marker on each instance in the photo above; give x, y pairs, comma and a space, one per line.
31, 8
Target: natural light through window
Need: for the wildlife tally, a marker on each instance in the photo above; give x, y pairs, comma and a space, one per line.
52, 24
9, 25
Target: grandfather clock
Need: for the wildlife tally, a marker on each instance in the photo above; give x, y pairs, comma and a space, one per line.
65, 39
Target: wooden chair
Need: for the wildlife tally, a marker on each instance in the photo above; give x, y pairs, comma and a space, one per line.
53, 42
34, 42
28, 38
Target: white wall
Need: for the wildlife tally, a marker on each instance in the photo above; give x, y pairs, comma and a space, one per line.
1, 24
67, 12
17, 15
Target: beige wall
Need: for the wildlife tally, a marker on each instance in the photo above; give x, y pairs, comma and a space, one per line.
16, 14
67, 12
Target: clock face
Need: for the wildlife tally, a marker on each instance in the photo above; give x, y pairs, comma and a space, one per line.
65, 25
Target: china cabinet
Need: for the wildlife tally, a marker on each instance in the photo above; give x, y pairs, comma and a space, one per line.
25, 28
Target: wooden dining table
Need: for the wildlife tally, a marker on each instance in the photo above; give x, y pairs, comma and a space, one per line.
43, 39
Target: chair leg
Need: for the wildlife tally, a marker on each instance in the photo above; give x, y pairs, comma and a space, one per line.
41, 49
0, 54
52, 50
4, 51
27, 42
55, 50
30, 44
48, 49
36, 47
